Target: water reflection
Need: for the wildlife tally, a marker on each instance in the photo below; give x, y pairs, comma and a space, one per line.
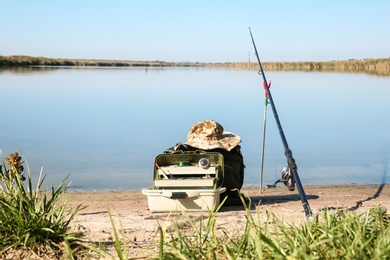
235, 66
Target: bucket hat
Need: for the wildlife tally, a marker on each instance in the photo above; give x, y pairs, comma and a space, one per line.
209, 134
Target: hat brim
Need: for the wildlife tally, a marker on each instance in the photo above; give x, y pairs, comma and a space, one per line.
227, 141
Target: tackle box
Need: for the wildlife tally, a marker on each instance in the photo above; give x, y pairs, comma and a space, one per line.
186, 181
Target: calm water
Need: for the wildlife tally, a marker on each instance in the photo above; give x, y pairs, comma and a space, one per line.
104, 127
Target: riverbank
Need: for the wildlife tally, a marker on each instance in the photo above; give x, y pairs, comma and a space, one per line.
380, 67
140, 225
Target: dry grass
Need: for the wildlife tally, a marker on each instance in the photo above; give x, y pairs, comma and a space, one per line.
371, 66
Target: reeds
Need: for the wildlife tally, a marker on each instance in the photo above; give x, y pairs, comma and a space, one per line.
34, 223
339, 235
380, 67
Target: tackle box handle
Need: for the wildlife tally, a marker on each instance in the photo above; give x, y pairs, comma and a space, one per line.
180, 194
184, 152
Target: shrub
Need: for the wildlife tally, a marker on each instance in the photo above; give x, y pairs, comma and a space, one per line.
35, 222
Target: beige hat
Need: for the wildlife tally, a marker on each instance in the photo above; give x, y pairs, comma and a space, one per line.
209, 134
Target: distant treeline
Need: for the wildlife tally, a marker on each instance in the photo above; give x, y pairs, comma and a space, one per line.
371, 66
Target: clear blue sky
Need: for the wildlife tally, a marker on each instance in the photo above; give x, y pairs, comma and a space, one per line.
196, 31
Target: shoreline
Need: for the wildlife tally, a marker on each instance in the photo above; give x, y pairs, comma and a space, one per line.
375, 66
245, 187
129, 210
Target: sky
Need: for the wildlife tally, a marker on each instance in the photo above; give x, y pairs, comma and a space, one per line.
196, 31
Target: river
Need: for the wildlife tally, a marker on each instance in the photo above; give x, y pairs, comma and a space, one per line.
103, 127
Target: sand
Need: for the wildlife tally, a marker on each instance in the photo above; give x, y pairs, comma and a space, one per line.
130, 208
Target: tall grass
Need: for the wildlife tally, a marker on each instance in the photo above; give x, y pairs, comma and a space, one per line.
35, 222
340, 235
372, 66
120, 244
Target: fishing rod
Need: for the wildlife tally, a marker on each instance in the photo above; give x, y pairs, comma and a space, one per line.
290, 160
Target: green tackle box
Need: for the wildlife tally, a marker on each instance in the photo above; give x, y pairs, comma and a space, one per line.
189, 181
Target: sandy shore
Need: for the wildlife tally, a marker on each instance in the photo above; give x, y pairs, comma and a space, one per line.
140, 225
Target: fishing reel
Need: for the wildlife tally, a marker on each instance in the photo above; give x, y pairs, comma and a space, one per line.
287, 178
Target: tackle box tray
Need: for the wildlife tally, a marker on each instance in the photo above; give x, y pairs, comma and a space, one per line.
188, 170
